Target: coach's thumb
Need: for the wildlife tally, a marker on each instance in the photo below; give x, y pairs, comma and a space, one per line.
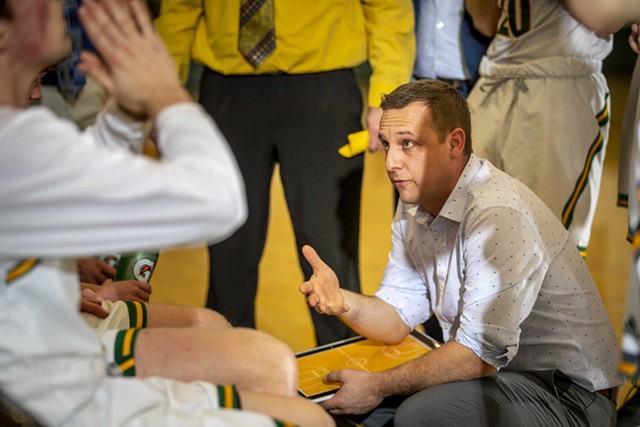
333, 377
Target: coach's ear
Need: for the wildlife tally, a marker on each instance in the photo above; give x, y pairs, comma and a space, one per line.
456, 141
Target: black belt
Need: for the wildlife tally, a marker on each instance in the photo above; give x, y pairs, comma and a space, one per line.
456, 83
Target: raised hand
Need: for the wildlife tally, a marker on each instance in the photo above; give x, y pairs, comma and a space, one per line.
133, 64
322, 289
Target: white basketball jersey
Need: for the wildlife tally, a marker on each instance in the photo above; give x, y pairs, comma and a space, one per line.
533, 29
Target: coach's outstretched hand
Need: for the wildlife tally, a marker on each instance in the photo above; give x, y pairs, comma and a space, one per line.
133, 64
322, 289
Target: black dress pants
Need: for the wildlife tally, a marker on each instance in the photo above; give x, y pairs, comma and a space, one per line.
299, 121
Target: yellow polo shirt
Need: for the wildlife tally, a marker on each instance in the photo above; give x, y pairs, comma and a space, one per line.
311, 36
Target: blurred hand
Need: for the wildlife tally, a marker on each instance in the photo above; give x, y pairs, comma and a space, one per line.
634, 37
93, 270
373, 124
125, 290
90, 302
134, 66
322, 289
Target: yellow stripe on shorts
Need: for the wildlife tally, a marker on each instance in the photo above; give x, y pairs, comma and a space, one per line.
20, 269
567, 212
636, 240
283, 423
228, 397
137, 314
583, 251
603, 116
124, 351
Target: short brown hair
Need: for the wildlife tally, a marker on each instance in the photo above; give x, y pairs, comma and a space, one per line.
449, 109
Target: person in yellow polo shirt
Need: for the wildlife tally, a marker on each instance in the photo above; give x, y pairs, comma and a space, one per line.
279, 81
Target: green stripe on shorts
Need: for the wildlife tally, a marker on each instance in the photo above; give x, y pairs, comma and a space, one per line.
124, 350
283, 423
228, 397
137, 314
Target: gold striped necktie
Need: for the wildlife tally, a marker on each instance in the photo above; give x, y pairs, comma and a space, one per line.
257, 35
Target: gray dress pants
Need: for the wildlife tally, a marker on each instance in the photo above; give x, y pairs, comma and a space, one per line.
509, 399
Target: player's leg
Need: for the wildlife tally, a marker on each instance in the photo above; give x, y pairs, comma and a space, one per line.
300, 411
171, 316
250, 359
164, 402
135, 314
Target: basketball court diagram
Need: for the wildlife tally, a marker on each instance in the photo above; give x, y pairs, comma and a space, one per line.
358, 353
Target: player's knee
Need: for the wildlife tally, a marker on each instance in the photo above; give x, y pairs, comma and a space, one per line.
279, 362
284, 361
207, 318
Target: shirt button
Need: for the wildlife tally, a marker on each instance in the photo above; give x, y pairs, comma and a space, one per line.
440, 25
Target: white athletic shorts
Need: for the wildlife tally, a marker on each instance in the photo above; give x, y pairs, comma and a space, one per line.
546, 123
118, 333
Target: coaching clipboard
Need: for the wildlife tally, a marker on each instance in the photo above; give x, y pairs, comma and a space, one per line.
354, 353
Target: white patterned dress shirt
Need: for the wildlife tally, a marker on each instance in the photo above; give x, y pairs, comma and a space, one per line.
503, 278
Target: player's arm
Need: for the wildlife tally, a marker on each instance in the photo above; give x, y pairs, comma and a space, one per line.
115, 201
485, 15
367, 315
603, 16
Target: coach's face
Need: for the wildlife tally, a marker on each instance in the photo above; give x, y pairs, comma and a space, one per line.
422, 167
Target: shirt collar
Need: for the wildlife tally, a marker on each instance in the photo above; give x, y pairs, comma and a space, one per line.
453, 208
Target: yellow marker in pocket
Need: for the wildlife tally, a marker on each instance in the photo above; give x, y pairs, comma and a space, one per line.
358, 143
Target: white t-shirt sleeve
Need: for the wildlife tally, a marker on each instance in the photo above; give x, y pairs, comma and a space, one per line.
65, 193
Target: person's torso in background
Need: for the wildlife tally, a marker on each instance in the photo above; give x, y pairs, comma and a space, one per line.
439, 44
533, 29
